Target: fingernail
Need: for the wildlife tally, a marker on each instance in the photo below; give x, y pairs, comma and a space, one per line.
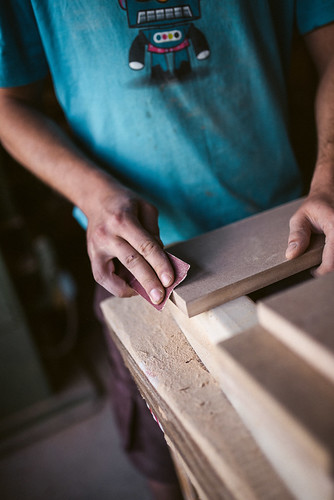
166, 279
156, 295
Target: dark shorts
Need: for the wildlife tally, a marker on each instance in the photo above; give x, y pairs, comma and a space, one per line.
141, 437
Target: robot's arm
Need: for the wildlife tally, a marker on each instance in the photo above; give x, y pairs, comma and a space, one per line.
200, 45
137, 52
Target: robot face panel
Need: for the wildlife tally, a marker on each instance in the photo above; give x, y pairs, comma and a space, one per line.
146, 13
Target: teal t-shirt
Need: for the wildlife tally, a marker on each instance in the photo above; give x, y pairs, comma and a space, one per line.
184, 100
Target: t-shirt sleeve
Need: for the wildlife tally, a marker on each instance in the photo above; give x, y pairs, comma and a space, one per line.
312, 14
22, 58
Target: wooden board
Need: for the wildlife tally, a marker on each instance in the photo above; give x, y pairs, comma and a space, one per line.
206, 330
252, 368
288, 407
238, 259
303, 318
221, 456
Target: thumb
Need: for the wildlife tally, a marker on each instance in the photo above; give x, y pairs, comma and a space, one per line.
299, 237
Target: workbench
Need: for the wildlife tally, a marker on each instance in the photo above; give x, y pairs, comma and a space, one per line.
245, 415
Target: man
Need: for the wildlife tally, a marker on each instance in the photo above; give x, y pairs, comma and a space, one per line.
174, 104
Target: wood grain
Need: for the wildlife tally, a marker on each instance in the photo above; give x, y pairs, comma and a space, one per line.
287, 405
223, 459
238, 259
303, 318
279, 396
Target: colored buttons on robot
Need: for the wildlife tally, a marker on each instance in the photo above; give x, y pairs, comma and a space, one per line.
167, 36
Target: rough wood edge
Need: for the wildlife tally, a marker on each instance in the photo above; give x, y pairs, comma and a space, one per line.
182, 433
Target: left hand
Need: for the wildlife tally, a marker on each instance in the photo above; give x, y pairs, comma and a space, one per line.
315, 215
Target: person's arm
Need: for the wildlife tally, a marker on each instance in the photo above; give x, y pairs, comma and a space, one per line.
120, 224
317, 212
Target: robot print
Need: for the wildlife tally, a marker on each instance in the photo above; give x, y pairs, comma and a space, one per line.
165, 27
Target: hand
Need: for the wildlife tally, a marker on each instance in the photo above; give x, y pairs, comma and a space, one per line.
315, 215
125, 227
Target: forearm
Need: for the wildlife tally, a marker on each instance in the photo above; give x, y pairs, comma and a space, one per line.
320, 44
41, 146
324, 171
317, 211
120, 224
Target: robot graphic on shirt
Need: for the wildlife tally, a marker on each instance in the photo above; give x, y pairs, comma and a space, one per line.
165, 26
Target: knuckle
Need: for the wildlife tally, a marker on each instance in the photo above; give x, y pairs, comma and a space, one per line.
297, 233
100, 233
117, 244
118, 217
147, 247
299, 227
294, 222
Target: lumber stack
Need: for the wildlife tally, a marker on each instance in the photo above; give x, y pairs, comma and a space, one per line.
274, 359
303, 318
279, 375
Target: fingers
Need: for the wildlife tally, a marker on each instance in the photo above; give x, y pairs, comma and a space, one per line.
150, 252
131, 234
147, 265
148, 217
316, 217
103, 270
299, 237
139, 250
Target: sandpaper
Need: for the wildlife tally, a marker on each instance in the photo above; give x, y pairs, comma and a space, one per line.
180, 272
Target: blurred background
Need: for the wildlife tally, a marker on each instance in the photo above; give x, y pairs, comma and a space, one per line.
57, 435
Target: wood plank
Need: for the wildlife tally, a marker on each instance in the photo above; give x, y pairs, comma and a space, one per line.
206, 330
223, 458
221, 322
276, 440
303, 318
238, 259
288, 407
184, 475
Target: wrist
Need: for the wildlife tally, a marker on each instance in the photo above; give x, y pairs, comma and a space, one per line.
323, 178
95, 187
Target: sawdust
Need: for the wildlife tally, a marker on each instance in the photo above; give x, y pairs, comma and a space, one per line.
163, 354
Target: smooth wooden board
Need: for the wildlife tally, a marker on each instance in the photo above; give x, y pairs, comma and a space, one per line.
287, 405
303, 318
238, 259
219, 452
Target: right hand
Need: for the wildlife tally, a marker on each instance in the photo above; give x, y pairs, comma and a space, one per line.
125, 227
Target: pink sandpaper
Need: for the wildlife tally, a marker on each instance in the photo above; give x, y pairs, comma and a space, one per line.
181, 269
